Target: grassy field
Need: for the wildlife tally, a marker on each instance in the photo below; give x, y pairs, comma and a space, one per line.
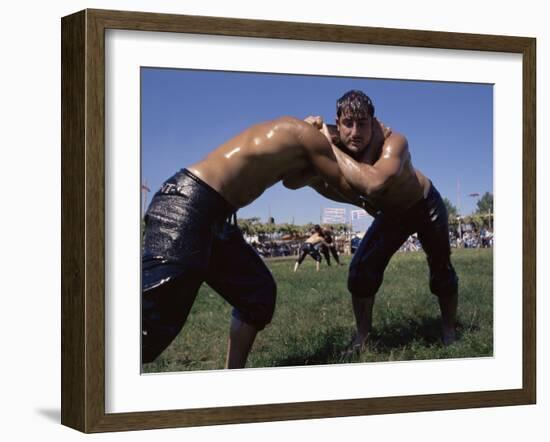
313, 322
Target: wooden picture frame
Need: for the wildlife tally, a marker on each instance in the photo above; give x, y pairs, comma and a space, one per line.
83, 220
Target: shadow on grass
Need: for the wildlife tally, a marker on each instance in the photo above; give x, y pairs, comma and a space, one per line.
332, 347
325, 349
400, 334
425, 331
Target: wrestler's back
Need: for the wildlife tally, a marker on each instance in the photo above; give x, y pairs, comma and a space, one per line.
245, 166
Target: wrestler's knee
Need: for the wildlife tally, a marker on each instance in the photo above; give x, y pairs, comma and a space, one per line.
260, 307
444, 281
154, 341
364, 283
158, 329
166, 299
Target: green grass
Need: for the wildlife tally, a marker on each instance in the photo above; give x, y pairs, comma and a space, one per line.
314, 323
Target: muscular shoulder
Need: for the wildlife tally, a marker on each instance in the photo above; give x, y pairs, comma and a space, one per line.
285, 126
279, 131
395, 146
293, 123
305, 134
287, 122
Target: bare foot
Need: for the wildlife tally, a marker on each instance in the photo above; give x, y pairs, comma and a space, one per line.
357, 346
448, 336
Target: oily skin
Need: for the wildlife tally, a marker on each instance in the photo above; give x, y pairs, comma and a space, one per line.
377, 166
380, 168
284, 149
315, 238
241, 169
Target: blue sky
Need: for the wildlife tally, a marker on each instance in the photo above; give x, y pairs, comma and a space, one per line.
185, 114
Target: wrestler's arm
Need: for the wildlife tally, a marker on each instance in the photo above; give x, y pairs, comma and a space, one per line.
317, 240
319, 152
317, 122
301, 179
316, 182
367, 179
322, 188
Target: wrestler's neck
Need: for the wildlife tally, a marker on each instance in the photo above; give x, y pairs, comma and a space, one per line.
368, 155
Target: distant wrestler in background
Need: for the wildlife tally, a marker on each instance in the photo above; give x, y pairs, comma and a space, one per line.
330, 248
312, 247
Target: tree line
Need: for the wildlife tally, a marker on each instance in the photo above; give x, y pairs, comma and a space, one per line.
482, 217
253, 226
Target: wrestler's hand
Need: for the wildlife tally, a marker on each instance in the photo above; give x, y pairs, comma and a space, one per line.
386, 130
315, 120
326, 132
331, 133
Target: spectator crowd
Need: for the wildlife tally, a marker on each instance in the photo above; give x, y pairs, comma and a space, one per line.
470, 239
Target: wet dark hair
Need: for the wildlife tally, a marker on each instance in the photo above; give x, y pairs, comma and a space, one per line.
354, 103
317, 229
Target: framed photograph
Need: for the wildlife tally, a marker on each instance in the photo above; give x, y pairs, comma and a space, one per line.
150, 98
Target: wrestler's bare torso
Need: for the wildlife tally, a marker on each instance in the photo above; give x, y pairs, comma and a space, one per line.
315, 239
283, 149
392, 183
406, 187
